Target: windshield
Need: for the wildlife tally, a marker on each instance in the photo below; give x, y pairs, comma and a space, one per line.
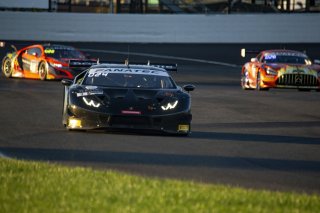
63, 52
128, 80
286, 58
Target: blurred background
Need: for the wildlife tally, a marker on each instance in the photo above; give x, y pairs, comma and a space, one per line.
164, 6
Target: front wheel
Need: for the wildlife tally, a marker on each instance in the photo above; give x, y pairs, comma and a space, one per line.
244, 80
6, 67
43, 71
258, 83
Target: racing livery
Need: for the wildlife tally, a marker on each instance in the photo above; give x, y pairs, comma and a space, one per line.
120, 96
280, 69
42, 61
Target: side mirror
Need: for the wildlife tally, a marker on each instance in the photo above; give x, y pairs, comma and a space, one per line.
254, 60
66, 82
189, 87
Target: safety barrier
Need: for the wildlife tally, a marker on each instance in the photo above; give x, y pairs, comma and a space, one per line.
236, 28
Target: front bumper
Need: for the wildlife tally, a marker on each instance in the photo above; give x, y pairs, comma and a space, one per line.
295, 81
176, 123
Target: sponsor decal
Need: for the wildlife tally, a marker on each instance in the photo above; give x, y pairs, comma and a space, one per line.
87, 93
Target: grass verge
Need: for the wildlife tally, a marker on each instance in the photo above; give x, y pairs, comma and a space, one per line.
41, 187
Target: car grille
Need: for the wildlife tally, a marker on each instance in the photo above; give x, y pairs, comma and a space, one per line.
297, 80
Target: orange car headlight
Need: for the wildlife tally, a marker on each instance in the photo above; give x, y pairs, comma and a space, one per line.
270, 71
56, 65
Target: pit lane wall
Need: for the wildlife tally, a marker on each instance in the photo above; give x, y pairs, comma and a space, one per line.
233, 28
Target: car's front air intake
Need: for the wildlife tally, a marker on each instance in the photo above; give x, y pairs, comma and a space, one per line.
297, 80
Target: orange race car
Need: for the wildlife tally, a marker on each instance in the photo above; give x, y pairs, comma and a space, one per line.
280, 69
43, 61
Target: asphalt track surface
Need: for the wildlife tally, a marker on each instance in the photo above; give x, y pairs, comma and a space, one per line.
265, 140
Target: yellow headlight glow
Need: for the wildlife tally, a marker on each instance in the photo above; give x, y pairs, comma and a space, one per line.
74, 123
183, 128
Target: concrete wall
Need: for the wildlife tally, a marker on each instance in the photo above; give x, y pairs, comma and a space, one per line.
244, 28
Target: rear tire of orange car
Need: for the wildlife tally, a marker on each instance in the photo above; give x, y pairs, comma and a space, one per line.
43, 71
6, 67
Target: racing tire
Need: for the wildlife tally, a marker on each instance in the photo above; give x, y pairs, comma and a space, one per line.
258, 83
43, 71
6, 67
244, 80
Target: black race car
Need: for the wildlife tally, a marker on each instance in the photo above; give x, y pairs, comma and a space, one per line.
122, 96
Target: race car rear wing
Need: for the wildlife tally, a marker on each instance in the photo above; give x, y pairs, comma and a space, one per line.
81, 63
89, 63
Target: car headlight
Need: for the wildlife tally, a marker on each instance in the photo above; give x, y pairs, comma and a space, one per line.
74, 123
170, 105
270, 71
90, 102
56, 65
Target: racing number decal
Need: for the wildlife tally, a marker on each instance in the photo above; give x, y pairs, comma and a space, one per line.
97, 73
49, 51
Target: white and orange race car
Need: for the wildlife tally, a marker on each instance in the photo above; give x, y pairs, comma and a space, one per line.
43, 61
280, 69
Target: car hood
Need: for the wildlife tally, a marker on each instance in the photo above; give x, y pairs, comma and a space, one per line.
129, 100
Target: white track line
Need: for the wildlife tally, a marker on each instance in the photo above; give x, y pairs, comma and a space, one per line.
3, 156
162, 56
